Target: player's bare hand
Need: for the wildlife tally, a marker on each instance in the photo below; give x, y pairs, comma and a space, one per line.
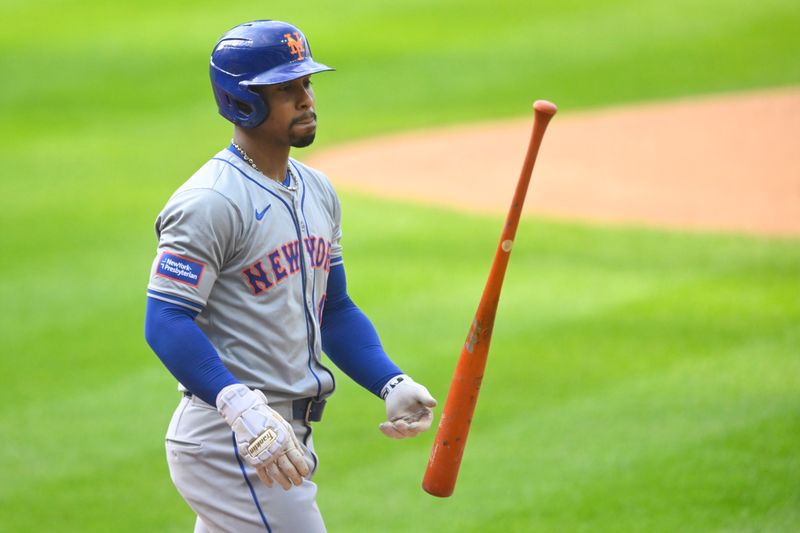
263, 437
409, 408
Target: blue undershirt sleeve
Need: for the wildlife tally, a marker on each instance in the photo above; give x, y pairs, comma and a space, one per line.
178, 341
350, 339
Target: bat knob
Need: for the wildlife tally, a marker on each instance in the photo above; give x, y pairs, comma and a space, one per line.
543, 106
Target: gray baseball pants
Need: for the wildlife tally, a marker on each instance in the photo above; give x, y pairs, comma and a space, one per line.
222, 489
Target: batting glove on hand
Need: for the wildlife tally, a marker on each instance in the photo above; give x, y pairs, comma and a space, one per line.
408, 408
263, 437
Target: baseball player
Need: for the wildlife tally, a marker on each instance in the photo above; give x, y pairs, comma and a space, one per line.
248, 288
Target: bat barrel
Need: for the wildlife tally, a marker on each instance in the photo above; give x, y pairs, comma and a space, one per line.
451, 438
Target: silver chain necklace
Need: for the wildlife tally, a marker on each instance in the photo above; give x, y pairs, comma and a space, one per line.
249, 160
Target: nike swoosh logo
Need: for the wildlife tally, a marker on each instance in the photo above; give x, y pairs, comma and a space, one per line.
260, 214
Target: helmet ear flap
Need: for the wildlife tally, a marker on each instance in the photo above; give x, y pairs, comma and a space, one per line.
251, 109
240, 104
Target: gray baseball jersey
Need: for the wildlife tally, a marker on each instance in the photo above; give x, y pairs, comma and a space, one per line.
252, 256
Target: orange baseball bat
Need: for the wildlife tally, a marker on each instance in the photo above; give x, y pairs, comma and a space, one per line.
451, 437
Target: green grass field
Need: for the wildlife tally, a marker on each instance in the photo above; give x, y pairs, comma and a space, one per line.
639, 380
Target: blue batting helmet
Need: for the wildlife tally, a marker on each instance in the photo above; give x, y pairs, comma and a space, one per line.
262, 52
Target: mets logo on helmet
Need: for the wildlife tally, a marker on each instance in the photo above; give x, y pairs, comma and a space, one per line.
295, 45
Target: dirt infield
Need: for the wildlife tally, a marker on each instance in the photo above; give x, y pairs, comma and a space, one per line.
729, 162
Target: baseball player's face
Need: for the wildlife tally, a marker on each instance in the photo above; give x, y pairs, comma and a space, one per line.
292, 119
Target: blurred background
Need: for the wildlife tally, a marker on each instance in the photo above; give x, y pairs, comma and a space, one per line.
639, 380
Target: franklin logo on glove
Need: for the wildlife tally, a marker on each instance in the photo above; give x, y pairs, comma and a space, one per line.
262, 442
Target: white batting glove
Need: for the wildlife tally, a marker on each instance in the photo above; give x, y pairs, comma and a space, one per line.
264, 438
408, 408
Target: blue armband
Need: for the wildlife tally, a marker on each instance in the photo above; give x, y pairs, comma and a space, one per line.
350, 339
178, 341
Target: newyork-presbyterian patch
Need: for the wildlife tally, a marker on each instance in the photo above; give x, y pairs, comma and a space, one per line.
180, 269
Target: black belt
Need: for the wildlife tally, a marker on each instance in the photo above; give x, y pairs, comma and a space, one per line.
306, 409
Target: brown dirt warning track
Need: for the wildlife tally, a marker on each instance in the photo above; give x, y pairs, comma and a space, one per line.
727, 162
